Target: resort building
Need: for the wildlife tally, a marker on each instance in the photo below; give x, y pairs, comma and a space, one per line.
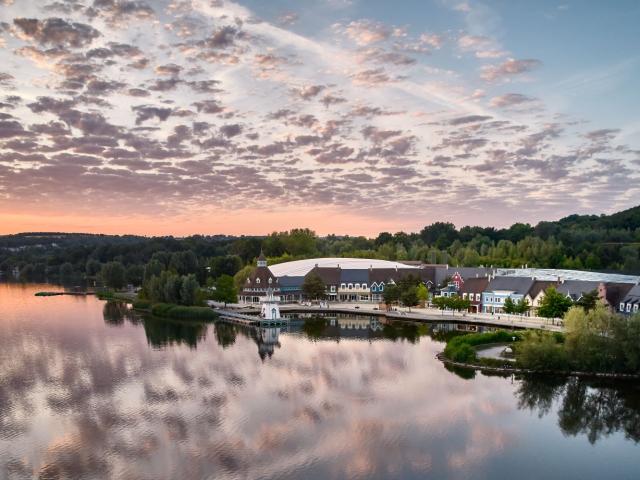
501, 288
354, 285
535, 295
472, 290
630, 304
612, 294
575, 289
259, 282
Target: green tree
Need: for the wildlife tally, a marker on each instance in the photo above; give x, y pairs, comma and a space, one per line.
554, 304
440, 302
226, 290
92, 267
113, 275
588, 301
226, 265
522, 306
391, 294
509, 305
134, 274
240, 278
189, 290
313, 287
459, 303
409, 297
423, 293
66, 271
151, 269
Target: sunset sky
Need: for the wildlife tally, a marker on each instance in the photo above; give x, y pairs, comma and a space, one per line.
345, 116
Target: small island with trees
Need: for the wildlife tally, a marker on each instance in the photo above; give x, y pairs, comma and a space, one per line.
595, 342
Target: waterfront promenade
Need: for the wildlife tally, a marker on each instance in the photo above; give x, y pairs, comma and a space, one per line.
415, 314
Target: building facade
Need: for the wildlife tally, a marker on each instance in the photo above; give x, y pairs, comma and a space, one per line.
259, 283
501, 288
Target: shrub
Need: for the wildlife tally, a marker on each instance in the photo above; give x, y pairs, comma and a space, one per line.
460, 349
170, 310
140, 304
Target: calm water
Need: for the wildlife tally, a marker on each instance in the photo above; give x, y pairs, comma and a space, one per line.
88, 390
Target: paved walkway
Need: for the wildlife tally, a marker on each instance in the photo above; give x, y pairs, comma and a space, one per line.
420, 314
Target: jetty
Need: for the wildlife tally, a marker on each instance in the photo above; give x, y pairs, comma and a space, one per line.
249, 320
426, 315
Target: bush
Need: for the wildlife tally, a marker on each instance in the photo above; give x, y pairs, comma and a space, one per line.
170, 310
460, 349
542, 351
140, 304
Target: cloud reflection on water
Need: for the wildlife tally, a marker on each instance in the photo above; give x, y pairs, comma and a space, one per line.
85, 395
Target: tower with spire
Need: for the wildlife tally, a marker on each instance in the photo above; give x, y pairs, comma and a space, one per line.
259, 282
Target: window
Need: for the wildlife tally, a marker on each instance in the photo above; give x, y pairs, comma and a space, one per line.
333, 288
364, 286
343, 285
257, 280
464, 295
628, 307
357, 286
381, 287
622, 306
350, 286
270, 280
635, 307
477, 297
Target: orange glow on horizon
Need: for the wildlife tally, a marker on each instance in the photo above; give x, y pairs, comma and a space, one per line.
323, 221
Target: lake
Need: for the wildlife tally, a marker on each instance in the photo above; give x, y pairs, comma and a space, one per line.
92, 390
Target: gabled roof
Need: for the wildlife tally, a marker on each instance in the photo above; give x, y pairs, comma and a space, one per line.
633, 295
329, 275
264, 274
475, 285
385, 274
517, 285
540, 286
615, 292
442, 272
576, 288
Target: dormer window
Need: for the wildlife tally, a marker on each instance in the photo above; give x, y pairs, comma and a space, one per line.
364, 286
270, 280
257, 280
350, 286
357, 286
343, 286
381, 287
622, 306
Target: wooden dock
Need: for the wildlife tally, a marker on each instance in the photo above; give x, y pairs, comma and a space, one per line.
249, 320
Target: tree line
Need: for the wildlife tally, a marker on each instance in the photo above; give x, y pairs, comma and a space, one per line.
576, 242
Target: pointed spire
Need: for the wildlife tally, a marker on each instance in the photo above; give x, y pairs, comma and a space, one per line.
262, 260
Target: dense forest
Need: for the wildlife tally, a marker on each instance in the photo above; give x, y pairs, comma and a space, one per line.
590, 242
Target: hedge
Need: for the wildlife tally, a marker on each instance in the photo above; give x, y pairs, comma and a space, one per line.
460, 349
170, 310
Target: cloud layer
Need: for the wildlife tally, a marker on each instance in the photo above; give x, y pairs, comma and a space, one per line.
183, 108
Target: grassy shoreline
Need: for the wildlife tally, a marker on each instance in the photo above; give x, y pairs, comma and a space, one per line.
163, 310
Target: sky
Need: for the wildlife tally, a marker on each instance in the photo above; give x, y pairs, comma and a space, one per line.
178, 117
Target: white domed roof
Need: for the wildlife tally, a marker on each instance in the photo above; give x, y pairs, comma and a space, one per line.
299, 268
